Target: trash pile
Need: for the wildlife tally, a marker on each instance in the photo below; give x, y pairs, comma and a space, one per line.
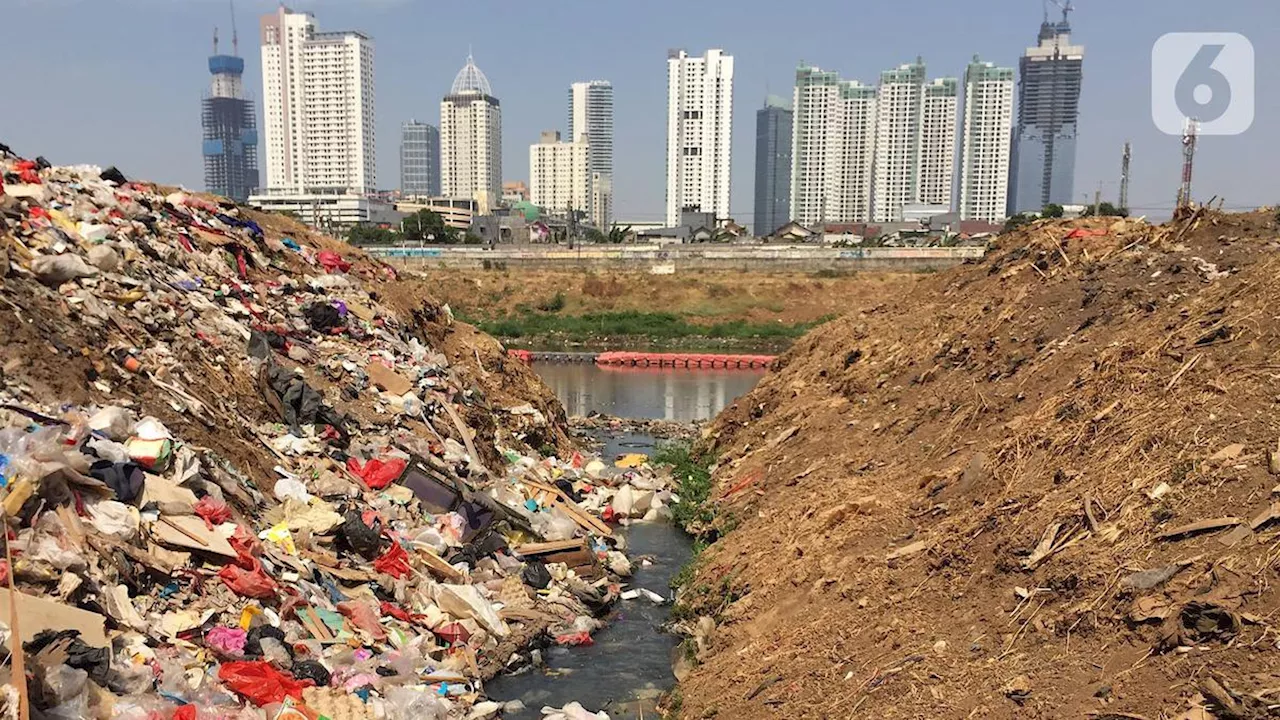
1040, 485
239, 484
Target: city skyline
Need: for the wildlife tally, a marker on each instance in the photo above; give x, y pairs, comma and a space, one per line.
156, 139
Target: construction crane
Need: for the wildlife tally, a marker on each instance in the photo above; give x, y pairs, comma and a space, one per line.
1065, 7
1189, 133
1124, 176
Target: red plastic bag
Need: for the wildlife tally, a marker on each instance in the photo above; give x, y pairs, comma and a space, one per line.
259, 683
331, 261
453, 633
399, 613
578, 638
186, 712
376, 473
213, 510
250, 583
394, 562
245, 576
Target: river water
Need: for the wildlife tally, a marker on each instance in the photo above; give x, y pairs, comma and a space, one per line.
650, 393
629, 665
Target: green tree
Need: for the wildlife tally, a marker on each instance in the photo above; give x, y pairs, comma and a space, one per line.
427, 227
1017, 221
618, 235
1051, 210
1106, 209
363, 235
593, 235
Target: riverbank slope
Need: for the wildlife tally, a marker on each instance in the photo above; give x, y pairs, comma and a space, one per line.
1039, 486
611, 309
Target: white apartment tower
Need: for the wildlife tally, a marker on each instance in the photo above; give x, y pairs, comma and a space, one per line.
591, 114
559, 174
832, 147
317, 106
938, 143
985, 146
915, 141
471, 140
699, 133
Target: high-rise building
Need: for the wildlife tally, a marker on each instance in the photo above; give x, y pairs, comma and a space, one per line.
591, 114
832, 148
984, 143
471, 140
773, 166
899, 106
699, 133
317, 104
1044, 148
915, 141
230, 128
559, 174
938, 143
419, 159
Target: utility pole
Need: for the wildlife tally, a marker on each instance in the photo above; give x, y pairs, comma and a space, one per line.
1189, 133
1124, 176
1097, 201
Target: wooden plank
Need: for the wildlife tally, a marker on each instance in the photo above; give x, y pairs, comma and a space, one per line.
584, 519
189, 531
438, 566
544, 548
1199, 527
39, 613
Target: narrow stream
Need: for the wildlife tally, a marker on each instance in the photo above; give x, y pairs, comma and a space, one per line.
629, 665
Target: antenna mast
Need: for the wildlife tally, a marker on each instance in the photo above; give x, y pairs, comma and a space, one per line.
215, 39
1124, 176
235, 40
1189, 133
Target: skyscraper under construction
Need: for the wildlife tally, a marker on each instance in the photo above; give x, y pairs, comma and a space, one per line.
230, 129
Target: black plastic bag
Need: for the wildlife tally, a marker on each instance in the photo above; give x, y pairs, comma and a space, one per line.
311, 670
536, 575
365, 540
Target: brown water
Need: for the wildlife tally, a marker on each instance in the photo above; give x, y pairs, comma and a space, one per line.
650, 393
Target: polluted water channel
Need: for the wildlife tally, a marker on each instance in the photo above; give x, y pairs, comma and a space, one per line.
629, 666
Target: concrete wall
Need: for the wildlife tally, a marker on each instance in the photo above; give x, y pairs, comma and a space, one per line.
661, 259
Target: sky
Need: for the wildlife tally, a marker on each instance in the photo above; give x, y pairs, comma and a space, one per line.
119, 82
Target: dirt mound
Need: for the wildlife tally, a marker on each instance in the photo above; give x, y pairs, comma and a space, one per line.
1036, 486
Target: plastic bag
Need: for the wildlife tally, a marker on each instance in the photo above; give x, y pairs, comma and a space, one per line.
409, 703
114, 519
227, 640
332, 261
54, 270
114, 422
378, 474
213, 510
394, 562
290, 489
576, 638
259, 683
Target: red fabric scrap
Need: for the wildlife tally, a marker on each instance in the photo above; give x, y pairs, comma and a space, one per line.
259, 683
331, 261
1079, 233
399, 613
394, 562
578, 638
377, 474
453, 633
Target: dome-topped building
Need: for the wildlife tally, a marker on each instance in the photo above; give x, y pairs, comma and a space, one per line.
471, 140
471, 80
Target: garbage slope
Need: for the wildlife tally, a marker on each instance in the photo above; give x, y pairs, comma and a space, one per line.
1037, 486
242, 462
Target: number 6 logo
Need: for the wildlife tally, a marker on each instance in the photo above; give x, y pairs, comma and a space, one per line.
1208, 77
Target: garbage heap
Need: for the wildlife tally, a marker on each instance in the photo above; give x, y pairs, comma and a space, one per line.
238, 485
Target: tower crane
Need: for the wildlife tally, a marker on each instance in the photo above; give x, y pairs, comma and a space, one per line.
1065, 6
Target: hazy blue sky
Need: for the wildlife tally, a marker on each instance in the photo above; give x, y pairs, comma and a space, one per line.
119, 81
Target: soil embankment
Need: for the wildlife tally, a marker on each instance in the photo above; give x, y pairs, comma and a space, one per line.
637, 309
1039, 486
